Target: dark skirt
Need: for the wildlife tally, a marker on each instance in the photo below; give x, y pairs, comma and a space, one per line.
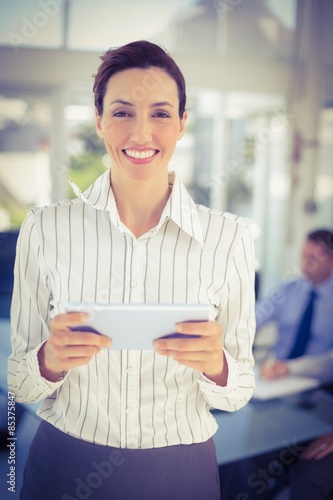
60, 467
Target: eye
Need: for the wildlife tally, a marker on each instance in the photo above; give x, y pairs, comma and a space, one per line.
120, 114
161, 114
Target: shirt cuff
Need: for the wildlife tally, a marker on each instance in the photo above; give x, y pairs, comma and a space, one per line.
208, 386
33, 366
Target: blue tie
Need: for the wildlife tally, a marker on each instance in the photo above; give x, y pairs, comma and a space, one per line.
304, 331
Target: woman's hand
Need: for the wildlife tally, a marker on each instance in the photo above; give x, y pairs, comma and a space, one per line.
65, 349
319, 448
204, 353
274, 369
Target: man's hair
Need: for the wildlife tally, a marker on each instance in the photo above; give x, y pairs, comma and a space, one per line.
323, 237
141, 54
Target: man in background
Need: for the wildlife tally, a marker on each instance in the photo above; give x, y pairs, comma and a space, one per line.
302, 310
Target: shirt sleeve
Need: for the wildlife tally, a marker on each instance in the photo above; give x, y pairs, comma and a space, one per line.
318, 366
30, 317
238, 325
234, 395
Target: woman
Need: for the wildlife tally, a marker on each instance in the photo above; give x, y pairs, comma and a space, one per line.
131, 424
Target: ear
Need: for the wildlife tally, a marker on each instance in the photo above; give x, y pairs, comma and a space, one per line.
98, 124
182, 125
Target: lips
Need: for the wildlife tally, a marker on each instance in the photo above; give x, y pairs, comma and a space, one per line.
140, 155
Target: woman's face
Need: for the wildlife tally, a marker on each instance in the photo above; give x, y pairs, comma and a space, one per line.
140, 124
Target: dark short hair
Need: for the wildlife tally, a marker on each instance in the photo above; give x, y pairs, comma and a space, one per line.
323, 237
141, 54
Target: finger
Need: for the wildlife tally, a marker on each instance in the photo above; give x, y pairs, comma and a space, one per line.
58, 358
198, 362
314, 455
271, 372
70, 338
184, 344
80, 351
75, 362
312, 452
189, 358
321, 454
269, 376
183, 355
308, 454
63, 321
316, 452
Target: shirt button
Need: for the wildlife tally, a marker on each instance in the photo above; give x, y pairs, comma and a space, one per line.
130, 369
128, 411
133, 283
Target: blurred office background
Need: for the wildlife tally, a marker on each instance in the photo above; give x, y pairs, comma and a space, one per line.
260, 96
259, 141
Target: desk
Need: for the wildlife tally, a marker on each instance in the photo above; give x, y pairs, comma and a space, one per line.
261, 427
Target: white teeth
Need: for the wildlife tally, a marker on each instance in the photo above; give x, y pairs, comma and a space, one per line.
140, 154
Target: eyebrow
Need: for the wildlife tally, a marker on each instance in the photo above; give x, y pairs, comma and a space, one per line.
162, 103
120, 101
154, 105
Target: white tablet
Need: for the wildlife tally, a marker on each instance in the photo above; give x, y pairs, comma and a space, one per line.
135, 326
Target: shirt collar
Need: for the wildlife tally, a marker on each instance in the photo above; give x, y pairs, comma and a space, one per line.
99, 195
180, 207
323, 288
182, 210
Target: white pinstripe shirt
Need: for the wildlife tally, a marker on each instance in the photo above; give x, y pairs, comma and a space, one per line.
78, 250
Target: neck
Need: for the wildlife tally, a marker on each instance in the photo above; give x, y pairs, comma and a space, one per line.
140, 204
320, 279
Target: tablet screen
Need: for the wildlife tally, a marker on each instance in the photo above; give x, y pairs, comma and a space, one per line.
135, 326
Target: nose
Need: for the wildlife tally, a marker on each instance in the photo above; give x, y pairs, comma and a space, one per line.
141, 132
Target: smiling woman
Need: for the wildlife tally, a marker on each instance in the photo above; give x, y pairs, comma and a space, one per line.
140, 111
135, 236
140, 136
